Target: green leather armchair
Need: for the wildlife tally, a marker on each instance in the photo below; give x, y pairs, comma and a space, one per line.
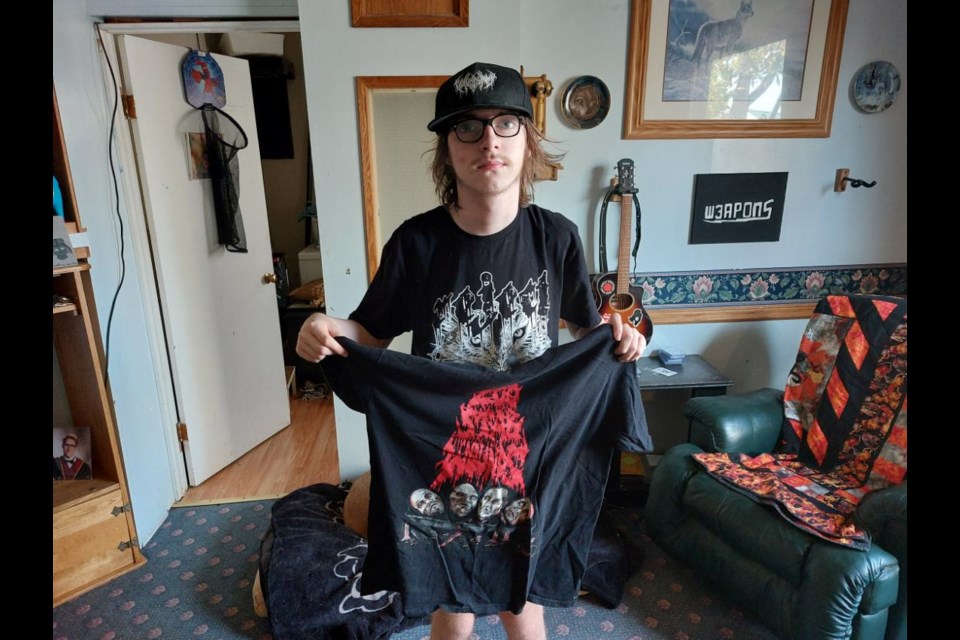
800, 586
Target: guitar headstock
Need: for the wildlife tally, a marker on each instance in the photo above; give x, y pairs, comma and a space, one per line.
625, 176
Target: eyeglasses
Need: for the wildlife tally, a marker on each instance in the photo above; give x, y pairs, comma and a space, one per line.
505, 125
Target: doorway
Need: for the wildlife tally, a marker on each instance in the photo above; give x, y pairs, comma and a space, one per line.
284, 184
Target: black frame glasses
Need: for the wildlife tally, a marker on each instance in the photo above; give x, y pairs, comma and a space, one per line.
473, 135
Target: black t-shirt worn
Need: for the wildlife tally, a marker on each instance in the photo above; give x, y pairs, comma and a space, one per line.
494, 300
486, 485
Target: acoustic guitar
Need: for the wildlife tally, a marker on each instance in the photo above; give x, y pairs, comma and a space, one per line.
613, 292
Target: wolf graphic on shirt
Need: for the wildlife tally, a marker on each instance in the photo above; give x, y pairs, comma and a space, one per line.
497, 329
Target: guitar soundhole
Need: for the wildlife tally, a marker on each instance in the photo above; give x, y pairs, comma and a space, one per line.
621, 301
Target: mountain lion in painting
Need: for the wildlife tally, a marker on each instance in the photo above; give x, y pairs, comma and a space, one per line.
719, 36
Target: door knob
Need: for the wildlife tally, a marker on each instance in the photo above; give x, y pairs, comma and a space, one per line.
269, 277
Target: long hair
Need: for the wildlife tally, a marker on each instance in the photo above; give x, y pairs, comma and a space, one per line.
536, 162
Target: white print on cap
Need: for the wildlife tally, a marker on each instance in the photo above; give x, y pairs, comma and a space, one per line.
474, 81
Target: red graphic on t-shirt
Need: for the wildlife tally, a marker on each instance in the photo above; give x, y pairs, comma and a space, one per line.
489, 445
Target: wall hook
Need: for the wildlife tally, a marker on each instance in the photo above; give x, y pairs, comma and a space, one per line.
855, 183
843, 177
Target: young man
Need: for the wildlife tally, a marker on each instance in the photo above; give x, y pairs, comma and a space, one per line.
69, 466
486, 277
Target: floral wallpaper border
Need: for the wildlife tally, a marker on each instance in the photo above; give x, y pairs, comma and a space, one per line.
761, 286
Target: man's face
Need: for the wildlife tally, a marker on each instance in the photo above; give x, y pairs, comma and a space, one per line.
463, 499
426, 502
492, 502
69, 447
518, 511
490, 166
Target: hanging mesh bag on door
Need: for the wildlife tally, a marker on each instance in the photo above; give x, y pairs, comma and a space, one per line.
225, 139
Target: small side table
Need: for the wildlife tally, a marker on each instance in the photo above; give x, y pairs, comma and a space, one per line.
695, 374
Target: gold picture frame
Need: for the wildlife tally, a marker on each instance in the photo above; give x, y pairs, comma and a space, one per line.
540, 89
659, 75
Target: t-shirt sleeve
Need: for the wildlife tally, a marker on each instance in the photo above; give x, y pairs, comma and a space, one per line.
578, 305
625, 420
353, 377
634, 435
384, 310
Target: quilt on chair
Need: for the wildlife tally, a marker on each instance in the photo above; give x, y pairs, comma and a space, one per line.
845, 421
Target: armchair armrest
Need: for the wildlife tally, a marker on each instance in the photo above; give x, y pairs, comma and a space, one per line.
742, 423
884, 514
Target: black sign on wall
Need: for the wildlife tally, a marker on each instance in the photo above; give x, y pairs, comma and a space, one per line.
737, 207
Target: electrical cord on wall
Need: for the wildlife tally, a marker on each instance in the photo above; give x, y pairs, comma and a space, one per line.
116, 197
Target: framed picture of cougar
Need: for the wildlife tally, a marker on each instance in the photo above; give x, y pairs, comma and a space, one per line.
733, 68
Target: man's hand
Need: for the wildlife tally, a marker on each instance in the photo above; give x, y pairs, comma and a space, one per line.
632, 344
317, 338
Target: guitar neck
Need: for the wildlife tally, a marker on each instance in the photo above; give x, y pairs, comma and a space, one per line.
623, 257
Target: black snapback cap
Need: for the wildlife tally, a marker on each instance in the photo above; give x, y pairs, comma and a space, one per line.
480, 86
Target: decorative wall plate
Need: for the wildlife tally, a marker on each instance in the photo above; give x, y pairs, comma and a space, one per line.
586, 102
875, 86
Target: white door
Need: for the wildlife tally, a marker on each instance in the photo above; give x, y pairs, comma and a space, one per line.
220, 317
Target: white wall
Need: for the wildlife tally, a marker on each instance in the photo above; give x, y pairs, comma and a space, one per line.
85, 114
569, 38
565, 39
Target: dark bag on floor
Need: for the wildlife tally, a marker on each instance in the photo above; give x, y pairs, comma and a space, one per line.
611, 562
310, 567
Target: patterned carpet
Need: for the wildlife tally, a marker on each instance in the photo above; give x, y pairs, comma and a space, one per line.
202, 562
196, 583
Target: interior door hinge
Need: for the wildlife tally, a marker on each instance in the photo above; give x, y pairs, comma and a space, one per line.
182, 431
126, 544
118, 510
129, 107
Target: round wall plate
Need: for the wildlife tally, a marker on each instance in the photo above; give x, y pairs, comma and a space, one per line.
875, 86
586, 102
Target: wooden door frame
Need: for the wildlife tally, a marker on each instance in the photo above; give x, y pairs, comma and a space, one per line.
131, 199
366, 87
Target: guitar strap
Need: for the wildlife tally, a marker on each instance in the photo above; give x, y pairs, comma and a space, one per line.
603, 227
615, 190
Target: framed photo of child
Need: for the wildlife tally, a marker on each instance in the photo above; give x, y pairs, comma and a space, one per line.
72, 454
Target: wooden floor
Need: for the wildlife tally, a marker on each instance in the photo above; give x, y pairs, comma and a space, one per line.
301, 454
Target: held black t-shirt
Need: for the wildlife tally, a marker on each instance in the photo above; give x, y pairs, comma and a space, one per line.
493, 300
486, 485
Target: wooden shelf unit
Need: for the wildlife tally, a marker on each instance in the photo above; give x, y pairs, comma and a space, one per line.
94, 538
